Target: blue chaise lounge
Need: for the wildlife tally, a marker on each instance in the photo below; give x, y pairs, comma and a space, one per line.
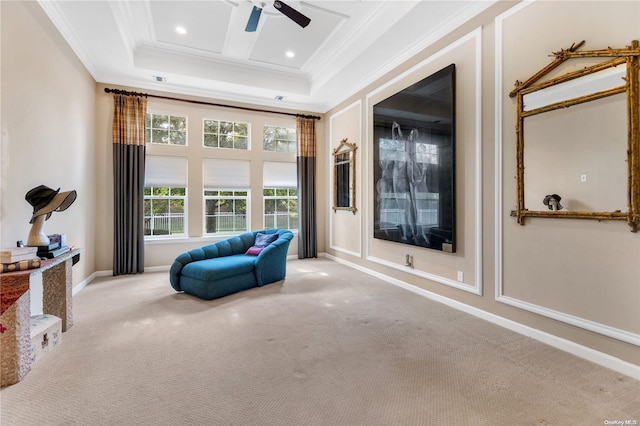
232, 265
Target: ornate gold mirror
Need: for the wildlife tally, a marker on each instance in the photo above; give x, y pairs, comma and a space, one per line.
583, 138
344, 177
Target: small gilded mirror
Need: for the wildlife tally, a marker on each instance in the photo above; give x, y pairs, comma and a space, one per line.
344, 177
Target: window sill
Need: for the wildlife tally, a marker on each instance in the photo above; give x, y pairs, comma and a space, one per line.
177, 240
207, 239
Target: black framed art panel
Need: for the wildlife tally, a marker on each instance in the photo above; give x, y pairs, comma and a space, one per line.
414, 164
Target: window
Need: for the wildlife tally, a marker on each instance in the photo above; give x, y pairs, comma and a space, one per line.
166, 129
226, 195
281, 208
225, 211
165, 196
279, 139
164, 211
225, 134
280, 195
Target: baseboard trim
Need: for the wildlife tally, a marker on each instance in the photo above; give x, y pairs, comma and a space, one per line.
615, 333
164, 268
581, 351
83, 284
471, 288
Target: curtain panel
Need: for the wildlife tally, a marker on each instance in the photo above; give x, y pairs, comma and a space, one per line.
128, 183
306, 162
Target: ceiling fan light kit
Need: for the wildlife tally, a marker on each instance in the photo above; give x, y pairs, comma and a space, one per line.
281, 7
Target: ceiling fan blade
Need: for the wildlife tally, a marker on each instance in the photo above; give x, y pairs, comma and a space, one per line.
252, 24
291, 13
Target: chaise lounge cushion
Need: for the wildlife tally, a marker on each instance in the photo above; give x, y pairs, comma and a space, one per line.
219, 267
224, 268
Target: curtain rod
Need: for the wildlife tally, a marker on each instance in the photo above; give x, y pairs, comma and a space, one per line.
127, 93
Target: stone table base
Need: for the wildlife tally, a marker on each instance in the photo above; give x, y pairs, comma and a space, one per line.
15, 315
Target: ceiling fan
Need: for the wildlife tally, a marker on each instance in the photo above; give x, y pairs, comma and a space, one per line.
282, 7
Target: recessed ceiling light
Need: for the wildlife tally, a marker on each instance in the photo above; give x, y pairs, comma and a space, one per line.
181, 30
290, 54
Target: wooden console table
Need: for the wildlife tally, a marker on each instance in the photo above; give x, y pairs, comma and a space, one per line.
15, 311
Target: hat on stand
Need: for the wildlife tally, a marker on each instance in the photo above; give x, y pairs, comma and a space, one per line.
549, 199
46, 201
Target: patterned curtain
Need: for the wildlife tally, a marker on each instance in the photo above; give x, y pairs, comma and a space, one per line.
128, 183
307, 238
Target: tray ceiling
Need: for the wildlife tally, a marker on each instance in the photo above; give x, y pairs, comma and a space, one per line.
347, 45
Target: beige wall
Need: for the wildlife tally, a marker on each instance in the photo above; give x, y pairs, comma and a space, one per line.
161, 253
345, 229
585, 269
574, 279
587, 140
48, 136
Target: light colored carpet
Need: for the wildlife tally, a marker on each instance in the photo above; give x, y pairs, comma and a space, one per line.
328, 346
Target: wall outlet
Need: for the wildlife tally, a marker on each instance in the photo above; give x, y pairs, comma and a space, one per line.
461, 276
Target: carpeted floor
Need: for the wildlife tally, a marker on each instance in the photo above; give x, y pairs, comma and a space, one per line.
328, 346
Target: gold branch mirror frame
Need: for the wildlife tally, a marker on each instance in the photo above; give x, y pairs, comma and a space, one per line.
618, 74
344, 177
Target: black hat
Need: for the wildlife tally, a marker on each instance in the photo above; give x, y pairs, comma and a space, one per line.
46, 200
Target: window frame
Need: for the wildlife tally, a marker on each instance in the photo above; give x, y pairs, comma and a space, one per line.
276, 197
168, 198
205, 215
234, 123
294, 140
149, 130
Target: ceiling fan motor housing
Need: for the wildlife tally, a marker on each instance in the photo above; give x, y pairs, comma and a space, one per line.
274, 9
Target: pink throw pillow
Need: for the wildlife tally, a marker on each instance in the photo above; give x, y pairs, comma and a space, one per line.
254, 251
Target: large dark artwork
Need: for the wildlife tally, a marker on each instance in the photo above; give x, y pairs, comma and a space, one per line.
414, 167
